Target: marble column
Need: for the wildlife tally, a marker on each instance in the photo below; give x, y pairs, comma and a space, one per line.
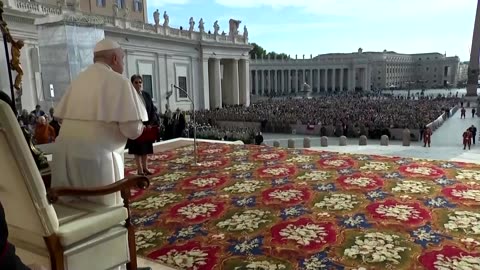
325, 79
205, 84
244, 71
334, 79
365, 79
353, 82
215, 77
296, 80
262, 80
341, 80
275, 82
318, 80
235, 100
289, 84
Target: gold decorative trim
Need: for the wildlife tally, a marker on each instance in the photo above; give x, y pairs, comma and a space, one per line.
14, 64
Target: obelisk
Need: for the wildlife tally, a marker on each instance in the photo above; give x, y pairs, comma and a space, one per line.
473, 66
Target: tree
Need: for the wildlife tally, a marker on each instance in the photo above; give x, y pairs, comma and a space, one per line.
260, 52
257, 51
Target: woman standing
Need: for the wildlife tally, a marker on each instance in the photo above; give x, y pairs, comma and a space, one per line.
137, 148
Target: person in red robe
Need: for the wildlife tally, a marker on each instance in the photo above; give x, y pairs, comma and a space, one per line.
467, 139
427, 135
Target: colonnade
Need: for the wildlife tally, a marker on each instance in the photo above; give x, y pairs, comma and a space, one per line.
281, 81
226, 81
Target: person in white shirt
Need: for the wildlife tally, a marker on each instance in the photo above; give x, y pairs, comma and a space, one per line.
100, 111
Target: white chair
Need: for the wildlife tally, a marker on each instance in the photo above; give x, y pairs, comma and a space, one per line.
76, 236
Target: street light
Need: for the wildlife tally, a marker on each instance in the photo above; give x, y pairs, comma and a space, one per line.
194, 122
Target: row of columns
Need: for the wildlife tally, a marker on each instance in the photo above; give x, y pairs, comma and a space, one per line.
233, 88
283, 81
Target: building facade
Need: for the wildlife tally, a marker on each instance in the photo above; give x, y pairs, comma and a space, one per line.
353, 71
213, 68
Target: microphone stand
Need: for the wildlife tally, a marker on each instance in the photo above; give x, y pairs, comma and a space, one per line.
194, 123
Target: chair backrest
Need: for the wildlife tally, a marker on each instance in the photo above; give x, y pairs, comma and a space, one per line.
29, 215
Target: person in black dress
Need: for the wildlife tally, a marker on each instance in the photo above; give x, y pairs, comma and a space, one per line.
141, 149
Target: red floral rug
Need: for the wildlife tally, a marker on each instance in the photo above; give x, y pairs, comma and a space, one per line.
254, 207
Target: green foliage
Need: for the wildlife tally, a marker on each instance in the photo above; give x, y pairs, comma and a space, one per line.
260, 52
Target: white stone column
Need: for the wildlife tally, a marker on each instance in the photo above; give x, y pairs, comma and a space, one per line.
319, 83
353, 82
215, 84
341, 79
296, 80
289, 84
244, 70
262, 82
303, 78
282, 81
365, 79
334, 79
325, 79
235, 85
205, 84
275, 83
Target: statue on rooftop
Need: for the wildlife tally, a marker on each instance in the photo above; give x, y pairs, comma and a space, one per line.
201, 25
166, 19
115, 10
191, 22
234, 24
156, 17
216, 28
126, 12
245, 33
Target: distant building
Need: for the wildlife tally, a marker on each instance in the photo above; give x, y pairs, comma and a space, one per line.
350, 71
462, 74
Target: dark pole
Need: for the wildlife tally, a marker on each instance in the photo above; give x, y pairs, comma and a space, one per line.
7, 57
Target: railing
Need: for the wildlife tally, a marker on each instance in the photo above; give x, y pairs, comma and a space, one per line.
37, 8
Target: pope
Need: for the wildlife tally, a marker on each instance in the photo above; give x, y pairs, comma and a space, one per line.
100, 111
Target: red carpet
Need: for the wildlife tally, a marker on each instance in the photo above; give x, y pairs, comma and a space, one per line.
250, 207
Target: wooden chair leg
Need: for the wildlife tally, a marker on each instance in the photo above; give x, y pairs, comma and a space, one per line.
56, 252
132, 265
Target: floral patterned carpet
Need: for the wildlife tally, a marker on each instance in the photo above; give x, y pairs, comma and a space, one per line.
257, 207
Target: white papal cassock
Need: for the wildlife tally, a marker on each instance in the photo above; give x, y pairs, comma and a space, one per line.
100, 110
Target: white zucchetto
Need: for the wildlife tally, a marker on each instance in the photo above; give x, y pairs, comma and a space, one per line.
106, 45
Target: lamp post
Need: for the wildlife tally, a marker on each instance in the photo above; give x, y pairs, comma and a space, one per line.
194, 122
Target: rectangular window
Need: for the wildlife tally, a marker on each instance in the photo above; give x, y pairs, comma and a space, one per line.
182, 83
101, 3
148, 84
121, 3
137, 5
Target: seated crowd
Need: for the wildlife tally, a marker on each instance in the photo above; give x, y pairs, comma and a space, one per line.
207, 131
358, 112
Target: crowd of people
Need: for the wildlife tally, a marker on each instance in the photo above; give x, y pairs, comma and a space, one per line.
376, 112
207, 131
44, 127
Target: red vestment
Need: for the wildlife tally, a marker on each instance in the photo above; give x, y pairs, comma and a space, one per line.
427, 136
467, 138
